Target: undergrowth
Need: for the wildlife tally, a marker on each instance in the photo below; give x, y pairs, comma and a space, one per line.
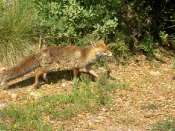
16, 23
165, 125
86, 96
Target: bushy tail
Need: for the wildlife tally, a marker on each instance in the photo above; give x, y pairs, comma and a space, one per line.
26, 66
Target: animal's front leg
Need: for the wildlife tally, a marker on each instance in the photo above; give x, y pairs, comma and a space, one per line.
92, 72
38, 73
89, 71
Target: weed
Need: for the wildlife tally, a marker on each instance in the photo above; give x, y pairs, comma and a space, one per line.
165, 125
107, 85
147, 46
16, 23
23, 118
2, 127
120, 51
86, 96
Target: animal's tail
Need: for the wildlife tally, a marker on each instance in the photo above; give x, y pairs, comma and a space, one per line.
27, 65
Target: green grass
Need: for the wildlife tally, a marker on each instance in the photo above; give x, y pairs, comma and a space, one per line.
16, 22
2, 127
165, 125
86, 96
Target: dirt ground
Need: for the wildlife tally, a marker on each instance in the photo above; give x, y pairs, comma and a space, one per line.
149, 98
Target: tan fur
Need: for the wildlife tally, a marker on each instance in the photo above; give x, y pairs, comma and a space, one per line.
64, 57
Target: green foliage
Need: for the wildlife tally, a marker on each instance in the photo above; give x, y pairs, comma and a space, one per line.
119, 48
105, 84
16, 21
73, 20
133, 24
3, 127
164, 37
147, 45
165, 125
24, 119
143, 21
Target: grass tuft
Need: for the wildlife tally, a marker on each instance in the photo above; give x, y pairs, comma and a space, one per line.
165, 125
86, 96
16, 22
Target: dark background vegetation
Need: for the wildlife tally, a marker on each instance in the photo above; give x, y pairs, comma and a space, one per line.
129, 25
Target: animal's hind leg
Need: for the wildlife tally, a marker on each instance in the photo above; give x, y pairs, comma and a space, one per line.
36, 84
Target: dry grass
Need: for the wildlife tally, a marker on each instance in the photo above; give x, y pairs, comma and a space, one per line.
147, 100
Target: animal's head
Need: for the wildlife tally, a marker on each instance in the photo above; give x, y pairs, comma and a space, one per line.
101, 49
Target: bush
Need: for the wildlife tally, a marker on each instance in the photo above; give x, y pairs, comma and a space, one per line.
147, 45
72, 20
16, 22
82, 21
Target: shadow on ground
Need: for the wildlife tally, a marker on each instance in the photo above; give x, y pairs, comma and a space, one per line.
53, 77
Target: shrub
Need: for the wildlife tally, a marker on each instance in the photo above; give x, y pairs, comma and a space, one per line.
17, 18
72, 20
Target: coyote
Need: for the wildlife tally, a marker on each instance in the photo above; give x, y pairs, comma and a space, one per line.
77, 59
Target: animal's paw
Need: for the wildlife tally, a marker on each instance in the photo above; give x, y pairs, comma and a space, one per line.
36, 86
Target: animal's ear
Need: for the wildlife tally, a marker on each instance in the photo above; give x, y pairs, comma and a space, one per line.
100, 42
